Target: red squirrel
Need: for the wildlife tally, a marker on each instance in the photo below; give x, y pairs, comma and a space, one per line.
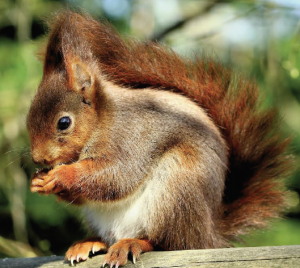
159, 151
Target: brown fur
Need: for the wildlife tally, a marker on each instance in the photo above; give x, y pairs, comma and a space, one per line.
218, 172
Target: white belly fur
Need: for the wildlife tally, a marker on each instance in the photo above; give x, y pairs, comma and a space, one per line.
119, 219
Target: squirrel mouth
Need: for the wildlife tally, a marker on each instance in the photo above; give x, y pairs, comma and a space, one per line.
47, 168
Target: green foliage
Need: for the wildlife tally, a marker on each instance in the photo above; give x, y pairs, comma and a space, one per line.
284, 232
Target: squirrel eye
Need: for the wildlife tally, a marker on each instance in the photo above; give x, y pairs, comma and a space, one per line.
64, 123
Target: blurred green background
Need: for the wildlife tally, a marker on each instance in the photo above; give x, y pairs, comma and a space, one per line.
260, 39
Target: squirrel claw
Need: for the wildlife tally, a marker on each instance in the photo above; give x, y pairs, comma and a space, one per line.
114, 264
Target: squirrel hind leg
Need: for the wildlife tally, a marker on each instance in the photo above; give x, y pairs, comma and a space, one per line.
80, 250
118, 253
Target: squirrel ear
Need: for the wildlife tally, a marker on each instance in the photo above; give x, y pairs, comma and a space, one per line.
81, 80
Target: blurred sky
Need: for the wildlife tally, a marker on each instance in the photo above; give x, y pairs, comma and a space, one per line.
234, 30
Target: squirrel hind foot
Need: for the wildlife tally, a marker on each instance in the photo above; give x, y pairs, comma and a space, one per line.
118, 253
80, 250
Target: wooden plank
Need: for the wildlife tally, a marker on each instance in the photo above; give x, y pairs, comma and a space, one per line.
283, 256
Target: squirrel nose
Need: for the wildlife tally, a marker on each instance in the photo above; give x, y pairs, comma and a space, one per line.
44, 162
40, 161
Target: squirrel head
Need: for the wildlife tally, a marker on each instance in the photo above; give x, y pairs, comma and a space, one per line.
63, 114
70, 98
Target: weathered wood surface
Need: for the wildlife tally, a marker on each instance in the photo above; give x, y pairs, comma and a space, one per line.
283, 256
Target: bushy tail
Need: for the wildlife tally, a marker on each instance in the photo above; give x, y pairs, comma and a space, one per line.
257, 151
258, 160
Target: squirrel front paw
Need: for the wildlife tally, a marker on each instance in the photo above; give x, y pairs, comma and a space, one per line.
46, 181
